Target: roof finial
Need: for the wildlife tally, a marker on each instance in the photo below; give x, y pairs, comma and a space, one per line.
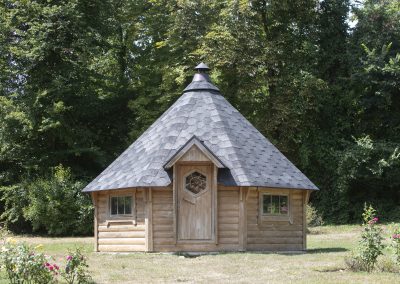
201, 74
202, 67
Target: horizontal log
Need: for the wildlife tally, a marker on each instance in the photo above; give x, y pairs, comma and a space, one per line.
162, 202
193, 247
163, 241
274, 226
122, 241
233, 206
228, 227
275, 240
228, 213
228, 200
162, 221
162, 214
228, 220
230, 234
121, 248
163, 207
163, 234
131, 234
268, 233
274, 247
163, 228
228, 240
104, 228
162, 193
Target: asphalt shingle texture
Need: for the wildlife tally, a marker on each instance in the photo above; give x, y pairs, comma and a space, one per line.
201, 111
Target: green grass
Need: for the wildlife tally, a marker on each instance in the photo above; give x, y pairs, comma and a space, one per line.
323, 263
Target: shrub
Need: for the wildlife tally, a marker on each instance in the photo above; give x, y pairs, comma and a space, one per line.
76, 269
23, 265
58, 206
387, 264
313, 218
395, 244
370, 246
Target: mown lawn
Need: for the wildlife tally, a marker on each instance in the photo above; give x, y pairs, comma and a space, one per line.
323, 263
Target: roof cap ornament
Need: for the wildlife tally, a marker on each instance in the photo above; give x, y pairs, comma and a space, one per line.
202, 67
201, 74
201, 81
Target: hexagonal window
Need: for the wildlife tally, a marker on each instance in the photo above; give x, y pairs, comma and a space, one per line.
195, 182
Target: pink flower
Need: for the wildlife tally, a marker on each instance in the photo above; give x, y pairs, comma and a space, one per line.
396, 236
56, 266
69, 258
375, 219
47, 264
51, 268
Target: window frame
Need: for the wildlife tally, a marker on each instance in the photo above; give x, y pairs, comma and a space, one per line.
201, 192
133, 207
269, 217
276, 195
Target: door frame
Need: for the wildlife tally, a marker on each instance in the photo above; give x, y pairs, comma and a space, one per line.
177, 176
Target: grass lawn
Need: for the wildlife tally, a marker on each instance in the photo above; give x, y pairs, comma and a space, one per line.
323, 263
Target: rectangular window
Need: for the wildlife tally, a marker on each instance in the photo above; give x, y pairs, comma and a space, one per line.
121, 205
275, 205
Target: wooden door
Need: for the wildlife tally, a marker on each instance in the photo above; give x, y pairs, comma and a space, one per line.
195, 202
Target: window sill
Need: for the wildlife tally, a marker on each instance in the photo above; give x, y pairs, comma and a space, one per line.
109, 222
271, 218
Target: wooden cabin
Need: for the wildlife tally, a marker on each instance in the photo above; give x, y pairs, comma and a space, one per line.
200, 179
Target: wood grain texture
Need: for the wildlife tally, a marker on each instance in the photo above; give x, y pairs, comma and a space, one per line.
95, 221
195, 211
264, 234
236, 221
148, 219
194, 154
121, 233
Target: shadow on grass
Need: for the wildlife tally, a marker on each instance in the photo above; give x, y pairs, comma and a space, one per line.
326, 250
309, 251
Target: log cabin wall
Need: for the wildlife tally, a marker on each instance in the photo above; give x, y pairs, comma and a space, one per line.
164, 238
268, 235
151, 227
120, 234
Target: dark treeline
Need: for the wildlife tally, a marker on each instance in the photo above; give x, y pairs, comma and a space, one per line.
82, 79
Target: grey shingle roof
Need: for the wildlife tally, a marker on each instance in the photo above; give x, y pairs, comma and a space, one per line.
201, 111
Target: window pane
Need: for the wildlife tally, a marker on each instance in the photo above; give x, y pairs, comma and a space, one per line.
266, 204
120, 205
128, 205
275, 204
114, 206
284, 204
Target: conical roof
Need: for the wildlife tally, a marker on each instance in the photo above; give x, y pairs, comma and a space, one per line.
202, 112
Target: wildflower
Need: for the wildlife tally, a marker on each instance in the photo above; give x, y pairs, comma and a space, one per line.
69, 258
56, 266
11, 240
40, 246
47, 264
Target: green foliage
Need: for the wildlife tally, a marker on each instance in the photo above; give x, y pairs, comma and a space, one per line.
370, 246
76, 269
368, 171
80, 80
395, 243
15, 199
23, 265
58, 205
313, 218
